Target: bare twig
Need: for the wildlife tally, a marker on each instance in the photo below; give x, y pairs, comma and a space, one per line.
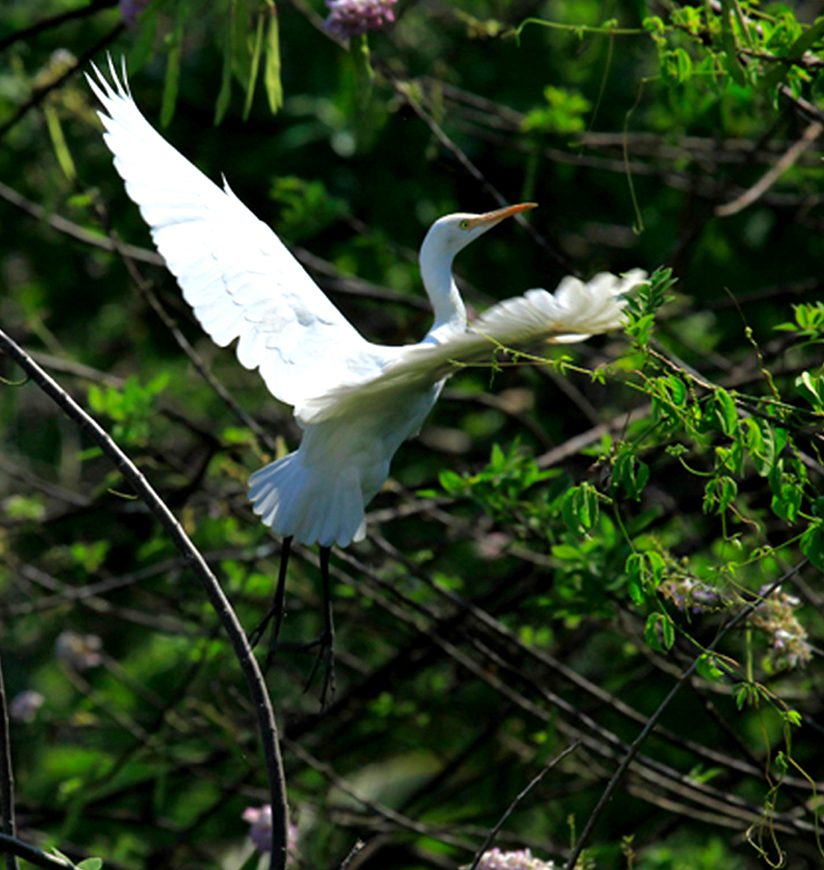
518, 798
54, 21
616, 778
407, 94
769, 178
257, 688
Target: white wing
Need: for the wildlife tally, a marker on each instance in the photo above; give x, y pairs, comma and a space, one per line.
236, 274
574, 312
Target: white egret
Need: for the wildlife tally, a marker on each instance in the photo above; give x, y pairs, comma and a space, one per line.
355, 401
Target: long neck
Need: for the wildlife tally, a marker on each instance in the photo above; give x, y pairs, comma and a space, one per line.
436, 273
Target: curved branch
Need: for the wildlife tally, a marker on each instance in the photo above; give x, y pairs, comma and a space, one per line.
144, 490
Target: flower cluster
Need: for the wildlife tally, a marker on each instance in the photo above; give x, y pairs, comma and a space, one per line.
353, 17
260, 831
775, 616
686, 593
79, 652
495, 859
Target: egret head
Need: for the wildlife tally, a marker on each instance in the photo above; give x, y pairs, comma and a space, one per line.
453, 232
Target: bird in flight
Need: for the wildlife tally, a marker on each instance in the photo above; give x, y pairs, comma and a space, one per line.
355, 401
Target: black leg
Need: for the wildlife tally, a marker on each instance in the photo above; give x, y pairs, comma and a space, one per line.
277, 608
327, 640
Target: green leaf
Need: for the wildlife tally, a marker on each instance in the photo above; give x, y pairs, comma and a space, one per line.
731, 62
90, 864
677, 390
676, 65
811, 388
708, 668
787, 496
812, 543
58, 140
645, 301
271, 69
646, 568
580, 508
659, 632
451, 482
257, 52
566, 553
172, 80
726, 412
630, 473
225, 94
719, 494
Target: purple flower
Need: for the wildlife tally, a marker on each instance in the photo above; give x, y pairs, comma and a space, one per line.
260, 830
787, 638
686, 593
24, 706
353, 17
80, 652
495, 859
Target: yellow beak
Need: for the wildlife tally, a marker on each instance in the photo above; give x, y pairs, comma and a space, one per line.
492, 217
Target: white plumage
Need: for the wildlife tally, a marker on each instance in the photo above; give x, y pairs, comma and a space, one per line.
355, 401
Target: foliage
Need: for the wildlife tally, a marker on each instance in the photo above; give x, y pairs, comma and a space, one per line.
575, 530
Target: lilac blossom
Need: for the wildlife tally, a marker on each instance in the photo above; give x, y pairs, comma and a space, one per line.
686, 593
354, 17
787, 638
495, 859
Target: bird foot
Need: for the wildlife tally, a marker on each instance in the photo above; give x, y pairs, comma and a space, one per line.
326, 654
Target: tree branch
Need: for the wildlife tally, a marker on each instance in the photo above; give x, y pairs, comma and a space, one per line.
6, 774
54, 21
144, 490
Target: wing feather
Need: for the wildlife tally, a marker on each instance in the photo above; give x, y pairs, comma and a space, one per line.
239, 278
574, 312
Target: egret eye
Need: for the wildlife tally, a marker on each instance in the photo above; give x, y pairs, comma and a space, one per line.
464, 224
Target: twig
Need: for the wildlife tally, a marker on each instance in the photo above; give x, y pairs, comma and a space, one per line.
518, 798
407, 94
39, 95
54, 21
443, 834
634, 748
359, 846
6, 774
75, 231
769, 178
257, 687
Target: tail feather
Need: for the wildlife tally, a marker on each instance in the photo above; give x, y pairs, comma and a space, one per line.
297, 502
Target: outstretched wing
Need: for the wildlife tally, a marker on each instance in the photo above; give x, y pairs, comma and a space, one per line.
574, 312
239, 278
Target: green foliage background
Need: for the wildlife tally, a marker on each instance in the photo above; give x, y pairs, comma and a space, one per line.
571, 532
